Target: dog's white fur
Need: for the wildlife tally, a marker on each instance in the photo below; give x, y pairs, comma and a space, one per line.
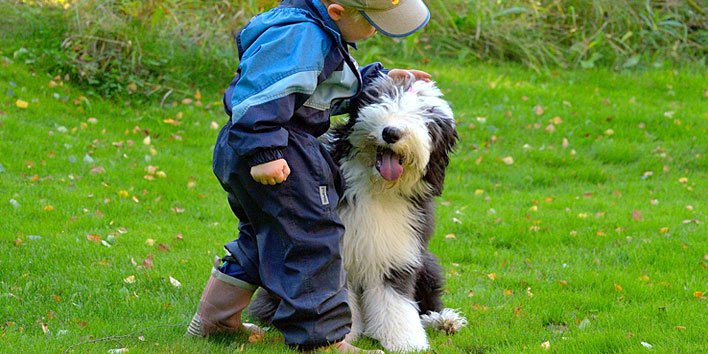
383, 225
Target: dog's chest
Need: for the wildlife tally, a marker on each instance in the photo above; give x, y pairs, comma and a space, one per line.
380, 236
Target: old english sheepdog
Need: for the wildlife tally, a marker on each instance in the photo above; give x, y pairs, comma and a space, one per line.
393, 152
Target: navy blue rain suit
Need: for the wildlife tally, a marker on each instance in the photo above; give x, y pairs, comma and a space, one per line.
294, 71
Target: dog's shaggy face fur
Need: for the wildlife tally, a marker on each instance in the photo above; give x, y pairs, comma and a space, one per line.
393, 153
396, 123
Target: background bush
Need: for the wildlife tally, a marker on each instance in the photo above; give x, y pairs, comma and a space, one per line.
571, 33
154, 48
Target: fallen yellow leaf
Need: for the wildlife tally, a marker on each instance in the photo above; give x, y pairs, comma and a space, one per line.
171, 121
21, 104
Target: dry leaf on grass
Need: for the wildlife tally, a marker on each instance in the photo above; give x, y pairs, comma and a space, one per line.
175, 282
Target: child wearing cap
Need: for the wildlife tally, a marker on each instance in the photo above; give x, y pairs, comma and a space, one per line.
295, 71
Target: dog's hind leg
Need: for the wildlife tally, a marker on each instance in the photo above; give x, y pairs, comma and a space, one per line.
393, 320
428, 292
448, 320
429, 284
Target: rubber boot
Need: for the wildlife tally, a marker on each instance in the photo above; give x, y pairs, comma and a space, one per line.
220, 307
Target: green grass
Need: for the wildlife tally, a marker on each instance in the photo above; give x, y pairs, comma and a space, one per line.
591, 245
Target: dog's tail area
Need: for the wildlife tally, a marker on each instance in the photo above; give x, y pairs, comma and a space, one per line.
263, 306
448, 320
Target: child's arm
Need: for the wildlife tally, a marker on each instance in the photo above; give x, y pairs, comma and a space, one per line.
278, 72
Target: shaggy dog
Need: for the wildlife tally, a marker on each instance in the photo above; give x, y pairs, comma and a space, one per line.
393, 153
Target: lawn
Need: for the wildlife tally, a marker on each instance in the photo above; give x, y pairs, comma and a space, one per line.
573, 218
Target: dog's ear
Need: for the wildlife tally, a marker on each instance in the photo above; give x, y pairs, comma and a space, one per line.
444, 138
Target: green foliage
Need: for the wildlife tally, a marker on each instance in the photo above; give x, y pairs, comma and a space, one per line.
155, 48
150, 47
570, 33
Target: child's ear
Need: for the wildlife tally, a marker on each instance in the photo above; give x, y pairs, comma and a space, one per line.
335, 11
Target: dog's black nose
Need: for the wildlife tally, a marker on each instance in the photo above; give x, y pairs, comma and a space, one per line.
391, 134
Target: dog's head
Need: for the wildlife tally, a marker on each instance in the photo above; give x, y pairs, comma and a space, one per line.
398, 137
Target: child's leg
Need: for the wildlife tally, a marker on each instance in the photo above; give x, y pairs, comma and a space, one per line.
298, 234
223, 300
227, 292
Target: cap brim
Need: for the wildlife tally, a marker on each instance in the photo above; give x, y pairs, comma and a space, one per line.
400, 21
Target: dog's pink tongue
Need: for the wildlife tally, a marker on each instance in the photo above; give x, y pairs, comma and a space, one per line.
391, 168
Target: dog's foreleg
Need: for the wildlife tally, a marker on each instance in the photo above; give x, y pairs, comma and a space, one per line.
357, 318
393, 319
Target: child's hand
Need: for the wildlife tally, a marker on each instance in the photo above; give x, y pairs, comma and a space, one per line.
272, 172
417, 74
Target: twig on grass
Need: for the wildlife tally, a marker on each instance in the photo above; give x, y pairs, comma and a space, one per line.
117, 338
162, 103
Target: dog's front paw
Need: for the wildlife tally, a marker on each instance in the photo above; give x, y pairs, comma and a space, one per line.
409, 345
406, 345
351, 337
